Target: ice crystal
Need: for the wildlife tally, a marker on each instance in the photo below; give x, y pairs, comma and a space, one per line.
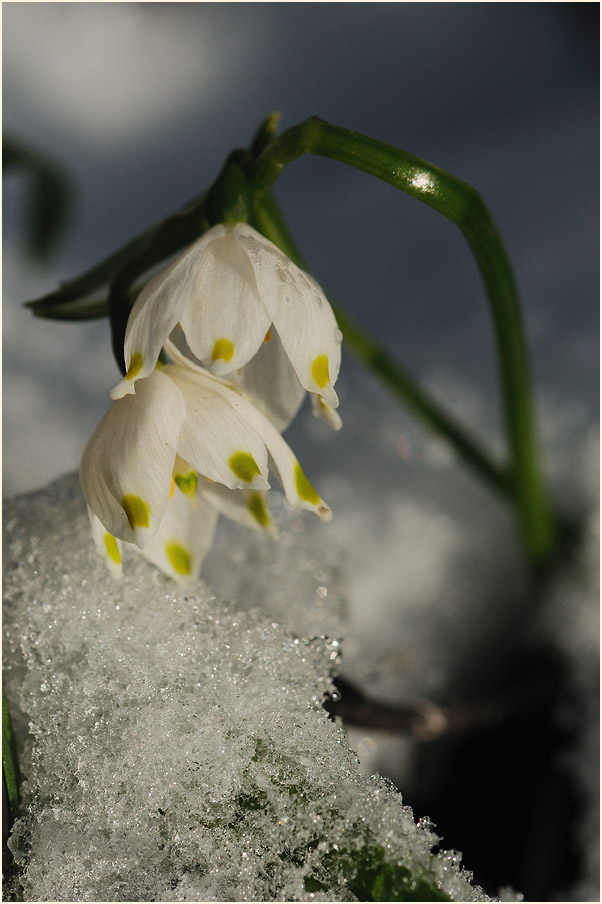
175, 747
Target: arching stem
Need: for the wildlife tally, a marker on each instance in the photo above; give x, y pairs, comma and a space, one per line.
463, 206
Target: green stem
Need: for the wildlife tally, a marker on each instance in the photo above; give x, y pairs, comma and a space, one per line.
10, 766
463, 206
269, 221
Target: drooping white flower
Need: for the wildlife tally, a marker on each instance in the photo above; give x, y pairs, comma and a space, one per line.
164, 461
178, 548
230, 292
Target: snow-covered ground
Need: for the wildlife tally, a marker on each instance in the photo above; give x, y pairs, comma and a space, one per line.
177, 745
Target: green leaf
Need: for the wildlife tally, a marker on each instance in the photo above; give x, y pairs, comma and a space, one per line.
370, 877
10, 766
266, 132
51, 195
82, 309
128, 263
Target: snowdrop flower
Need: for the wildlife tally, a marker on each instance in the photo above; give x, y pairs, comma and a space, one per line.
231, 292
164, 461
178, 548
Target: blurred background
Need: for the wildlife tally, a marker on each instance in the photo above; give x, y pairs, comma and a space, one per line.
139, 104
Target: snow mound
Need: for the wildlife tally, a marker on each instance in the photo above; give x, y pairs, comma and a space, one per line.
174, 746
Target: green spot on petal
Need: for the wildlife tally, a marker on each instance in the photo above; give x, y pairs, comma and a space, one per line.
257, 507
187, 483
179, 558
319, 371
137, 511
223, 348
136, 362
244, 466
112, 549
304, 487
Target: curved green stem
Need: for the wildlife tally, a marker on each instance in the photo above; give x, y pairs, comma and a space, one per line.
269, 221
463, 206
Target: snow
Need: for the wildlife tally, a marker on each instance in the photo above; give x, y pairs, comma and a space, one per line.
174, 745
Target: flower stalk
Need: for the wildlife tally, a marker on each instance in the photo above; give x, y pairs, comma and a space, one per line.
268, 219
461, 204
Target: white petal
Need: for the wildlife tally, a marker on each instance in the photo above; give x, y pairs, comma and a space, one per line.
153, 317
214, 438
225, 321
325, 412
299, 492
157, 310
109, 548
126, 465
300, 312
184, 538
246, 507
271, 383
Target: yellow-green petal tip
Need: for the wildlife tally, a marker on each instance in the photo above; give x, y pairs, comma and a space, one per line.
244, 466
224, 349
304, 488
137, 511
179, 558
187, 483
319, 371
136, 362
112, 548
257, 507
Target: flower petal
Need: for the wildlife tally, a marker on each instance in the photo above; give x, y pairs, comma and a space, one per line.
109, 548
299, 492
158, 308
126, 465
214, 438
300, 312
154, 315
224, 321
186, 479
247, 507
322, 410
271, 383
184, 538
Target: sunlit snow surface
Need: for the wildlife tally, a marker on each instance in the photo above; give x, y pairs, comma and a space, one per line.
177, 745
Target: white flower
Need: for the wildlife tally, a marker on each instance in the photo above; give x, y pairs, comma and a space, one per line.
178, 548
165, 460
231, 292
